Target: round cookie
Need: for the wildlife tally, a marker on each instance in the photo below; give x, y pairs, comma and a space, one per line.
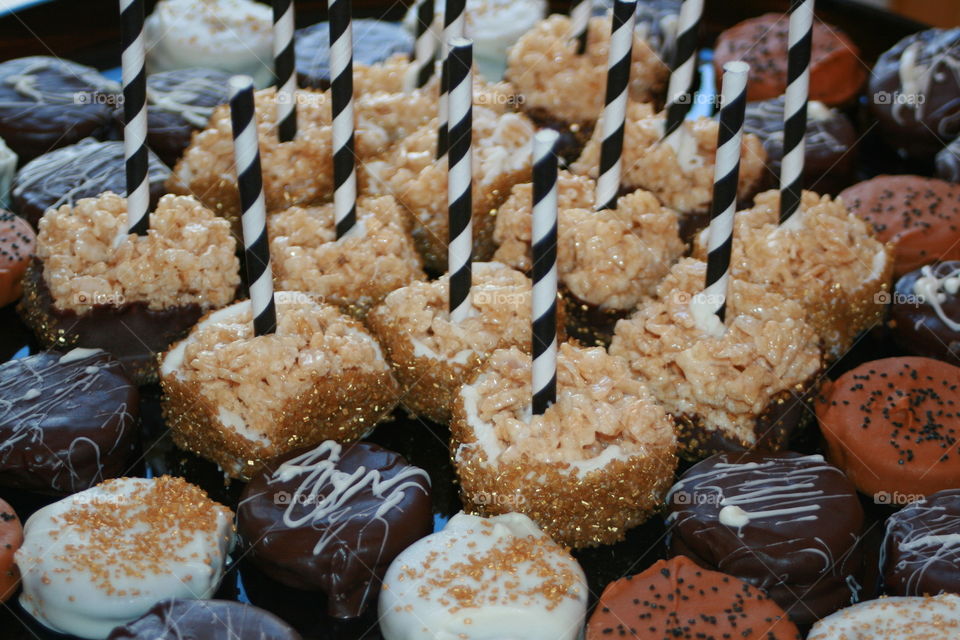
925, 312
332, 518
828, 158
836, 73
82, 170
921, 549
677, 599
920, 216
17, 243
914, 92
47, 102
11, 537
786, 523
373, 41
936, 618
205, 620
68, 421
892, 426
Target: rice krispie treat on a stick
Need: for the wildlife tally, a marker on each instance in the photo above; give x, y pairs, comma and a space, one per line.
354, 272
607, 261
683, 181
432, 355
135, 299
830, 263
596, 463
563, 89
739, 388
239, 399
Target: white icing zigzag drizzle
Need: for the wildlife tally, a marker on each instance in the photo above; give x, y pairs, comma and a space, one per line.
937, 541
933, 289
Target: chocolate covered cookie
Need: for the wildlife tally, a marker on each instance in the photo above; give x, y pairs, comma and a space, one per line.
921, 549
205, 620
373, 41
925, 312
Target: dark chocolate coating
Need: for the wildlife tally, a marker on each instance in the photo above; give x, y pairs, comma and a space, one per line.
921, 549
133, 333
919, 120
343, 550
373, 41
947, 162
205, 620
807, 551
82, 170
916, 327
828, 145
178, 103
65, 426
47, 103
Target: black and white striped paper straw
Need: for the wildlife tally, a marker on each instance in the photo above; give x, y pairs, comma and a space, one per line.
134, 77
726, 175
425, 49
544, 240
253, 205
341, 94
580, 23
453, 27
682, 71
615, 103
284, 69
800, 41
460, 177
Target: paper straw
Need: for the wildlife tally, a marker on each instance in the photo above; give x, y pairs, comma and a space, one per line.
580, 24
733, 102
253, 220
795, 109
682, 68
425, 50
460, 177
134, 77
341, 93
615, 103
284, 69
453, 24
544, 241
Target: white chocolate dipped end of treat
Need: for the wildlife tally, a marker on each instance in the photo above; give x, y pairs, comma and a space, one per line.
497, 578
554, 79
102, 557
354, 272
187, 257
719, 383
238, 399
826, 258
682, 181
596, 463
903, 618
610, 259
233, 35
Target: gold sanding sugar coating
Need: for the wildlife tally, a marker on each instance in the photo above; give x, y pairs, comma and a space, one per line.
610, 259
187, 256
727, 382
832, 264
650, 165
166, 514
548, 72
353, 273
593, 465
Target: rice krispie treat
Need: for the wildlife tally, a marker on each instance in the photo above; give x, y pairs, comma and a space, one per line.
564, 90
432, 356
738, 387
595, 464
501, 159
135, 299
681, 181
239, 399
354, 272
607, 261
831, 264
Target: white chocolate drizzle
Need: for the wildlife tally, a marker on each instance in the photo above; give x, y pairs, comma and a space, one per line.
932, 289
